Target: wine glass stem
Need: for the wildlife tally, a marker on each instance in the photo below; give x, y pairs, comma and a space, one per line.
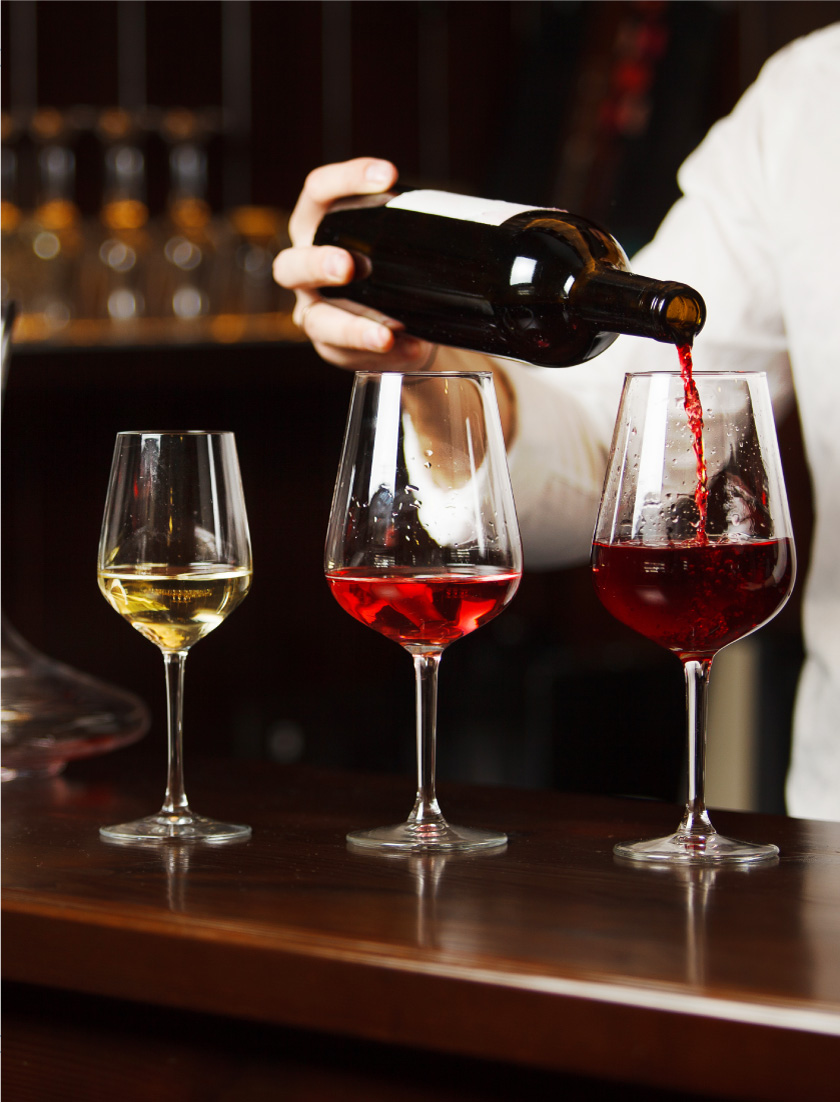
176, 798
695, 818
426, 808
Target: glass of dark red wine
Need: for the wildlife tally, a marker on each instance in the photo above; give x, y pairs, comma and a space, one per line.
423, 546
693, 548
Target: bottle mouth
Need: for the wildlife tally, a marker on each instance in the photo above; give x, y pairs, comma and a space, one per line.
681, 311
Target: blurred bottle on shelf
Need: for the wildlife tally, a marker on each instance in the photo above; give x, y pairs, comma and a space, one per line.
14, 259
116, 262
43, 247
185, 273
133, 268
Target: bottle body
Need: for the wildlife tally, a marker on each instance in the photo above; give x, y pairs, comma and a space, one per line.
541, 286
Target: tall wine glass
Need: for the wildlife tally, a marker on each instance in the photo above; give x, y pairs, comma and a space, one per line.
423, 546
693, 548
175, 560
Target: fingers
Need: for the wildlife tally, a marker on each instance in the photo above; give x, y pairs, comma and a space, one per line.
304, 267
324, 323
351, 341
361, 176
309, 266
406, 354
346, 339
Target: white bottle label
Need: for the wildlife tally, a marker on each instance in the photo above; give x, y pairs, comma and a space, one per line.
490, 212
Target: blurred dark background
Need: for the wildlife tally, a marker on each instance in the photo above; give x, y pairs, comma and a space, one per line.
591, 106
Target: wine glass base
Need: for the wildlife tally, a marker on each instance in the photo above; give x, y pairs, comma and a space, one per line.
435, 837
686, 849
175, 827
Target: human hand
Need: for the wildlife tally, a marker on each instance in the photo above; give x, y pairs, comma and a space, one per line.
346, 339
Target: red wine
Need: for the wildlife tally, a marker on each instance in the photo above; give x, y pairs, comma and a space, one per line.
431, 609
694, 598
542, 286
694, 411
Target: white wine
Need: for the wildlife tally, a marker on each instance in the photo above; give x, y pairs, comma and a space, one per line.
174, 607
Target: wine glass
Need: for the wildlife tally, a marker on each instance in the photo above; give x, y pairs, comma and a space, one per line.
423, 546
175, 560
693, 548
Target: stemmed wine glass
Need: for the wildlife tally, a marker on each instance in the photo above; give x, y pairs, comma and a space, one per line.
693, 548
423, 546
175, 560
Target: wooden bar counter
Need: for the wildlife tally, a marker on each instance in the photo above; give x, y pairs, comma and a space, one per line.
291, 966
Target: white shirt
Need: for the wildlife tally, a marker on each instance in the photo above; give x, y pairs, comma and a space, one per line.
757, 232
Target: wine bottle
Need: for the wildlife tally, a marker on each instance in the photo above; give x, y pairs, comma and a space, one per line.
543, 286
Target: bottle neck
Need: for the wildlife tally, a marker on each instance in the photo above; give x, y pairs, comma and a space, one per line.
623, 302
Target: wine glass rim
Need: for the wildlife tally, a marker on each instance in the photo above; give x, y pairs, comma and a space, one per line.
479, 374
175, 432
697, 374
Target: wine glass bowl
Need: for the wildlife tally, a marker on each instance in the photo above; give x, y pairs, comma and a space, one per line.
423, 546
175, 561
693, 548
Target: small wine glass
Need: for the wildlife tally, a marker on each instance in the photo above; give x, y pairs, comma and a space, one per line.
693, 548
175, 560
423, 546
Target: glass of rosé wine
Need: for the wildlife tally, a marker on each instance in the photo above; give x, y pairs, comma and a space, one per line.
423, 546
175, 561
693, 548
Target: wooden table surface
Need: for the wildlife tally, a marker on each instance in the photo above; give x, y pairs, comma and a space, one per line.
548, 955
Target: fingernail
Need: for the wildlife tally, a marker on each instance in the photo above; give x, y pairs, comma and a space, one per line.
377, 338
379, 172
335, 267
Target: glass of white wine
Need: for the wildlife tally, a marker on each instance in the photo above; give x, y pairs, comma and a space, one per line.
175, 560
